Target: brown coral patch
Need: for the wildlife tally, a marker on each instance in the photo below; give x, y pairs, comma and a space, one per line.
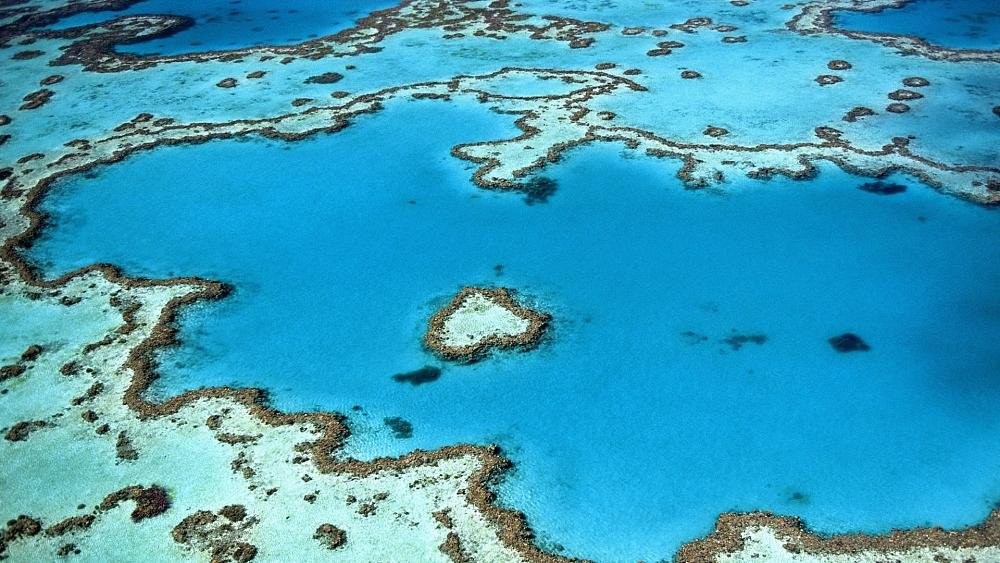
857, 113
915, 82
72, 524
444, 518
20, 431
713, 131
692, 24
213, 422
31, 353
149, 501
30, 157
330, 536
325, 78
124, 449
36, 99
222, 538
452, 547
233, 512
20, 527
88, 395
26, 55
902, 95
11, 371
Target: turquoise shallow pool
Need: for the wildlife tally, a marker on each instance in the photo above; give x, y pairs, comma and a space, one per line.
642, 417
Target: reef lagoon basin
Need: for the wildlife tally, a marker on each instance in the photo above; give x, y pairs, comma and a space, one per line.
670, 305
528, 299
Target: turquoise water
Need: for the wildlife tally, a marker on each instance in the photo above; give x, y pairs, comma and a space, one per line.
960, 24
636, 423
224, 24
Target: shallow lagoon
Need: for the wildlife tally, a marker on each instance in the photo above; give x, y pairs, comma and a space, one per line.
630, 435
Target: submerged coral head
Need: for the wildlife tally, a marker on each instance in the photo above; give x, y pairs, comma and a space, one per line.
849, 342
882, 188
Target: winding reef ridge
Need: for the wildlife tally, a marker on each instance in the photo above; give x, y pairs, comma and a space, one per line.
94, 465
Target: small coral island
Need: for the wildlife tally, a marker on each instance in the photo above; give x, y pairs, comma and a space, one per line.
479, 319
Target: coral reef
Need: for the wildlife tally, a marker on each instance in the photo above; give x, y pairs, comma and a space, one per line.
478, 320
100, 383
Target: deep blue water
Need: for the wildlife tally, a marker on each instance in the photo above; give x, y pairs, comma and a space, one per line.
229, 24
962, 24
636, 424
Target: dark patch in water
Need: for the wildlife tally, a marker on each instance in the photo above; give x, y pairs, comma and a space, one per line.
849, 342
736, 341
692, 337
401, 428
798, 497
539, 190
426, 374
498, 269
882, 188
